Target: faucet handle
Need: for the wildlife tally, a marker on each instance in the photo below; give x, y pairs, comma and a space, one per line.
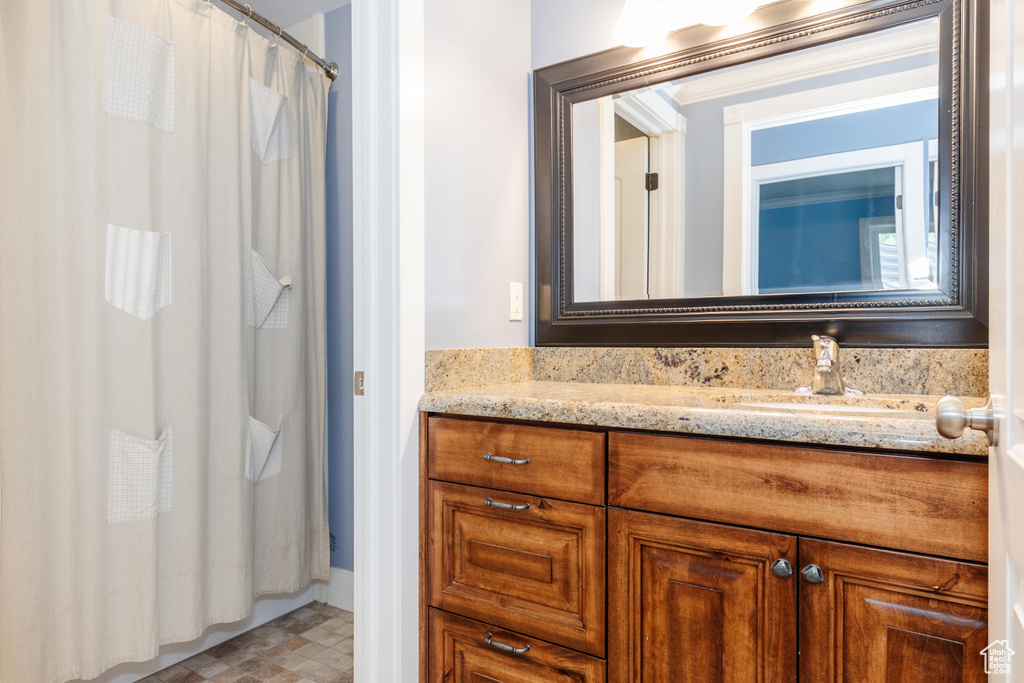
827, 377
826, 349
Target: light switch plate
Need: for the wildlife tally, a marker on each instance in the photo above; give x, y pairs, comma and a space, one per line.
515, 301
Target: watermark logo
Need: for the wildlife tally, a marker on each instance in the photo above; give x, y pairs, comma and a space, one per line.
998, 657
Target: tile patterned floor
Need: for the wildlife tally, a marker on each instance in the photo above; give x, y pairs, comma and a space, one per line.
313, 644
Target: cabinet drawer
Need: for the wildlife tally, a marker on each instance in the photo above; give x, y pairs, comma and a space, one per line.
460, 653
539, 570
938, 507
563, 463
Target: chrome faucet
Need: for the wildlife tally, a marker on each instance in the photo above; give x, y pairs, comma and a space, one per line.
827, 377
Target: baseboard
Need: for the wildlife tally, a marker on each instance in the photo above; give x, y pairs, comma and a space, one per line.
341, 592
264, 610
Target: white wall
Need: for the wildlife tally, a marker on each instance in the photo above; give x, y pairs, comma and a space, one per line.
478, 58
310, 32
566, 29
292, 13
478, 163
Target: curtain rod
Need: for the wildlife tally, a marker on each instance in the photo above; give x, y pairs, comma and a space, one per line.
331, 69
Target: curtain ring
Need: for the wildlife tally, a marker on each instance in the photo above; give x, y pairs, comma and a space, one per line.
248, 16
305, 51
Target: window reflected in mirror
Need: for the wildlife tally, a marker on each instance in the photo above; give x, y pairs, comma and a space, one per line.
815, 171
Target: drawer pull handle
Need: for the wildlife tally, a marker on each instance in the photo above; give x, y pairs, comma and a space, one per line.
506, 648
507, 461
506, 506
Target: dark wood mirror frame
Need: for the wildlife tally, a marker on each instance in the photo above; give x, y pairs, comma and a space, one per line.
957, 315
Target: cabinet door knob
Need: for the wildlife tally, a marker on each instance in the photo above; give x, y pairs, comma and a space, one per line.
812, 574
782, 568
506, 648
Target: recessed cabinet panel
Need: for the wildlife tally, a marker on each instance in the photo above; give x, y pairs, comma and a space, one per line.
536, 567
691, 601
467, 651
543, 461
884, 617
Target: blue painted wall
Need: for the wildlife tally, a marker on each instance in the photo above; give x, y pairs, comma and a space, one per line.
338, 34
815, 245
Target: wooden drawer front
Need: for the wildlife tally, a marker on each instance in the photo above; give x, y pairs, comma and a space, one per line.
939, 507
538, 571
564, 463
459, 653
884, 616
692, 601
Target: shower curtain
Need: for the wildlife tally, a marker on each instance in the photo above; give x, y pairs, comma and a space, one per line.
161, 328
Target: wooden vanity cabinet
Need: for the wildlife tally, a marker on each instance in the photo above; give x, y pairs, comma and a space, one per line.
703, 542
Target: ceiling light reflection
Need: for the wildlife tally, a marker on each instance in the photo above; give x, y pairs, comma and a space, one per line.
641, 24
737, 29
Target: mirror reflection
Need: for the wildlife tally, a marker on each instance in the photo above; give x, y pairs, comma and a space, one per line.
815, 171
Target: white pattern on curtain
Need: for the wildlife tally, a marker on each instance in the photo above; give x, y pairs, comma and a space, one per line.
134, 192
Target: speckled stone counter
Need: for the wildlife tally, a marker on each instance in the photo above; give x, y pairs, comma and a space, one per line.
928, 372
903, 423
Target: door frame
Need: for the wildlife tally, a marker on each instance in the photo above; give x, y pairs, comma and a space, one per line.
1006, 619
389, 334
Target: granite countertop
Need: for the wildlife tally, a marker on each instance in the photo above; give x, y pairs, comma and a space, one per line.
904, 423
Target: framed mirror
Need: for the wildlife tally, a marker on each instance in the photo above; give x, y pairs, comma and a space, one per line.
804, 173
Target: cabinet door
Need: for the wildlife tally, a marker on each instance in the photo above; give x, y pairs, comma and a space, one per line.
693, 601
467, 651
885, 617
